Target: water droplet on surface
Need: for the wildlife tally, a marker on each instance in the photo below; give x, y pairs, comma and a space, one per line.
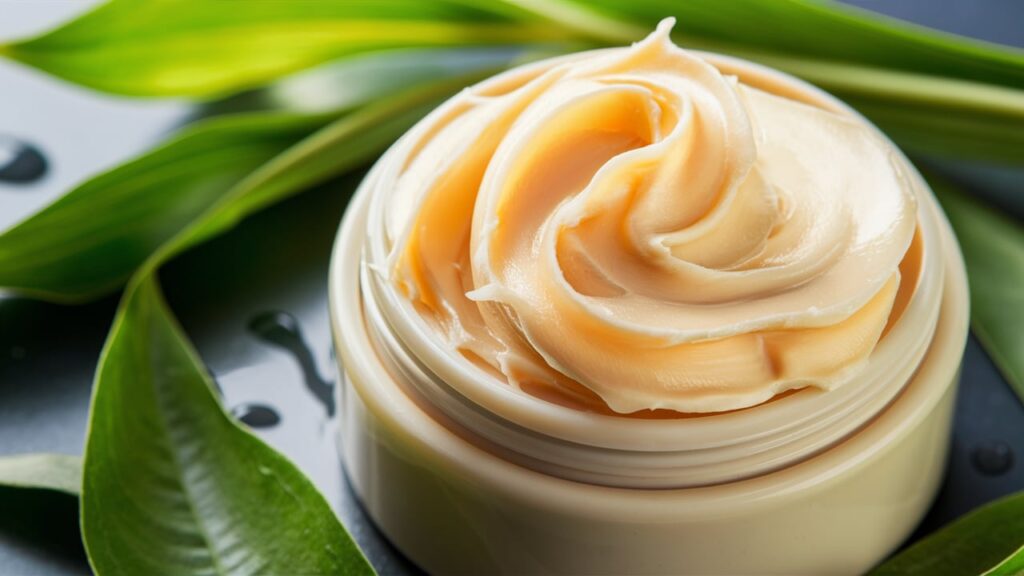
20, 161
992, 458
282, 330
256, 415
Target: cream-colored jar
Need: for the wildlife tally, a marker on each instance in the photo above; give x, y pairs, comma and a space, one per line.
467, 477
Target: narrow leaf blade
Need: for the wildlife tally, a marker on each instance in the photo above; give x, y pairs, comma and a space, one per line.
201, 48
94, 237
56, 472
174, 485
932, 92
826, 31
993, 247
1012, 565
972, 544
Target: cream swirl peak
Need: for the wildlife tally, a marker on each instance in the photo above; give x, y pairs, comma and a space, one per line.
630, 229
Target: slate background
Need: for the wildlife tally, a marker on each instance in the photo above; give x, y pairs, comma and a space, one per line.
277, 262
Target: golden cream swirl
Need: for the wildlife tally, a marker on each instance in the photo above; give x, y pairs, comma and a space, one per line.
631, 229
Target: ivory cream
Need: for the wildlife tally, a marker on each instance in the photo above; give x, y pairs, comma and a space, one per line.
635, 230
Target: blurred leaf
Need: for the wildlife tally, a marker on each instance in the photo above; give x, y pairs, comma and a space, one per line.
89, 241
931, 92
944, 127
993, 247
202, 48
817, 30
39, 508
362, 79
932, 115
971, 545
348, 143
56, 472
173, 485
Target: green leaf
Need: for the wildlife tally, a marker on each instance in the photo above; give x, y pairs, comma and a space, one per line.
360, 80
927, 114
973, 544
1014, 565
39, 508
931, 92
822, 31
993, 247
207, 497
89, 241
202, 48
348, 143
173, 485
56, 472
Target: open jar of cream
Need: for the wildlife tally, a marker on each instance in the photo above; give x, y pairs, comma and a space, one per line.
646, 311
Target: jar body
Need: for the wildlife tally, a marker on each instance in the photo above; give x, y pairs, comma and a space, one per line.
450, 521
455, 507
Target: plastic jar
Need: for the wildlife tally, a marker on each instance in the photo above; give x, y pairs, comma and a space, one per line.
466, 476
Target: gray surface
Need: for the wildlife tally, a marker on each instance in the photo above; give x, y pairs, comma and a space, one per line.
277, 261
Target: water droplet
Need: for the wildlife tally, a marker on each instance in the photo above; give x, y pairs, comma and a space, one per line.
20, 162
256, 415
282, 329
992, 458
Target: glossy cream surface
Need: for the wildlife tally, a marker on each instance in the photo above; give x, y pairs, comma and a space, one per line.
630, 230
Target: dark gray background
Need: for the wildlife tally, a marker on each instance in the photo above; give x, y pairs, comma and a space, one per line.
277, 263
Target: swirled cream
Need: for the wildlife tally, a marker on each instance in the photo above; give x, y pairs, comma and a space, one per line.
632, 230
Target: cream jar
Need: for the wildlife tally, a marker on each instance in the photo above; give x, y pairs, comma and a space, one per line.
465, 475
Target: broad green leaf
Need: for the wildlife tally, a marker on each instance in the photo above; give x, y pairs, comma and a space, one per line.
202, 48
89, 241
971, 545
993, 247
56, 472
173, 485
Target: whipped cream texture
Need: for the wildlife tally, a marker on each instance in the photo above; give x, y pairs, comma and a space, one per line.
631, 229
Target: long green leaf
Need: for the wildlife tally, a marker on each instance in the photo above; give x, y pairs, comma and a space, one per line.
206, 496
932, 92
824, 31
56, 472
972, 545
202, 48
1012, 566
39, 508
347, 143
993, 247
927, 114
174, 486
89, 241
